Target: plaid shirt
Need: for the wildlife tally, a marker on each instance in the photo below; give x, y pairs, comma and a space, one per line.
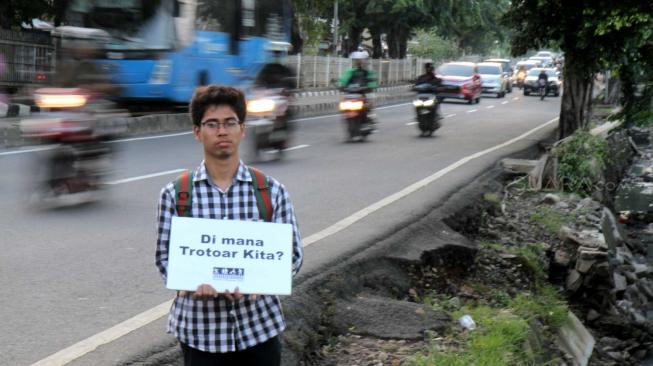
220, 325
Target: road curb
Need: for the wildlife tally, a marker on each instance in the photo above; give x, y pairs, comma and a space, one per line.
10, 135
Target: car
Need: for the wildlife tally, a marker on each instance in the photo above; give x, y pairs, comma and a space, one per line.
545, 61
459, 80
506, 65
530, 83
493, 79
545, 54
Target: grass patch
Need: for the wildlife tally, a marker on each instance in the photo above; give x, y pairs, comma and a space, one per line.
546, 304
492, 197
497, 340
501, 334
551, 219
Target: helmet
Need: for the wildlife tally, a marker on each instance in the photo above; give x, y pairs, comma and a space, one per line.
359, 55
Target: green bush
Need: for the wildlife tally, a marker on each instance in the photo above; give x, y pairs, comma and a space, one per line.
581, 161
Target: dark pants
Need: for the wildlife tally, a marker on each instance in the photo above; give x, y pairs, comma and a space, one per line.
267, 353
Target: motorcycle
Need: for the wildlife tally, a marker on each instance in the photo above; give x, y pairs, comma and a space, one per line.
355, 111
521, 76
427, 109
72, 171
269, 121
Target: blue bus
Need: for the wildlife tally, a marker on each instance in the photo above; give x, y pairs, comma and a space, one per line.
161, 50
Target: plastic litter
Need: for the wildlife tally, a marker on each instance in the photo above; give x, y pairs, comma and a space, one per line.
467, 322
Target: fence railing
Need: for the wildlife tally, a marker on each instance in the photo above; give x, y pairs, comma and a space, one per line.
324, 71
25, 58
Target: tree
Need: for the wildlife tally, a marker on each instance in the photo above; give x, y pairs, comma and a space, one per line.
15, 12
428, 44
591, 33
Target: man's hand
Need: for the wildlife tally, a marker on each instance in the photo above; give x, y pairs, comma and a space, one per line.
205, 292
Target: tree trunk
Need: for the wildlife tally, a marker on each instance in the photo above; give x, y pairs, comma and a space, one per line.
377, 48
575, 99
296, 37
629, 100
354, 40
403, 46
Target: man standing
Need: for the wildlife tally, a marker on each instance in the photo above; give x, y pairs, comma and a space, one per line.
223, 326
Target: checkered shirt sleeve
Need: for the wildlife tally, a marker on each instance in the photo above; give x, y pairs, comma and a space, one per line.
219, 325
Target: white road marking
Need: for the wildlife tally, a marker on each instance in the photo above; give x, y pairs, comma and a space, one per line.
472, 110
490, 107
25, 151
296, 147
505, 102
348, 221
142, 177
88, 345
411, 123
394, 106
151, 137
450, 115
185, 133
515, 98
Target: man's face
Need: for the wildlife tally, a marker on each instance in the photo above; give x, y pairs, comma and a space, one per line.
220, 140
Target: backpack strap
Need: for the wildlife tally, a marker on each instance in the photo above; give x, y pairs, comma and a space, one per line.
184, 193
262, 191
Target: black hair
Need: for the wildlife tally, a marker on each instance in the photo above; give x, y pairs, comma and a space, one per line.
214, 95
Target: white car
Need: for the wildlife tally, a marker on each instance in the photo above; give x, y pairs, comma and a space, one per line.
531, 86
545, 61
493, 79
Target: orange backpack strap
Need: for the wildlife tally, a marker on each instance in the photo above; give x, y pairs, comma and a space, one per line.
184, 193
262, 191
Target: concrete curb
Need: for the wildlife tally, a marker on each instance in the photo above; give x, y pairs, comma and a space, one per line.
10, 135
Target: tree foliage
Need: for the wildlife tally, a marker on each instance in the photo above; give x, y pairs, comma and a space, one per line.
471, 25
594, 35
429, 44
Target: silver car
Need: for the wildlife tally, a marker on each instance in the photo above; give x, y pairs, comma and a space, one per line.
493, 79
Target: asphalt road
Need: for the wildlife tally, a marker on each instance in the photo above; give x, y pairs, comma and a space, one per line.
66, 275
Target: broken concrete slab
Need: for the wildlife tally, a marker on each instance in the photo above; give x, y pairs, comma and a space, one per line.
576, 340
388, 319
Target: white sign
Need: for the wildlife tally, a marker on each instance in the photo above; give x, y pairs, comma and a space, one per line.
254, 256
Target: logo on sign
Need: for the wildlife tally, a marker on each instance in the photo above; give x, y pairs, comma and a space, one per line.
228, 274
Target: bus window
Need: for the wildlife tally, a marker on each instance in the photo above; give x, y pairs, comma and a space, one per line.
215, 16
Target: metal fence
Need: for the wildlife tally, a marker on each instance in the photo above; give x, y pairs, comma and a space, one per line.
25, 58
324, 71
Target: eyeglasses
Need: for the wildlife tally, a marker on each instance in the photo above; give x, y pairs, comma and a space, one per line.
214, 125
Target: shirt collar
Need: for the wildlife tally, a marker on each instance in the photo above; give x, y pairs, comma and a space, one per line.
242, 174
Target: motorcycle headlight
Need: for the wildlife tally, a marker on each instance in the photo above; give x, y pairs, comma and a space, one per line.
418, 103
428, 103
351, 105
59, 100
257, 106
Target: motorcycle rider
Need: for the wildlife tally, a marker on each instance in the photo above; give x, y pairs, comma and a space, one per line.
361, 76
428, 77
276, 75
543, 80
